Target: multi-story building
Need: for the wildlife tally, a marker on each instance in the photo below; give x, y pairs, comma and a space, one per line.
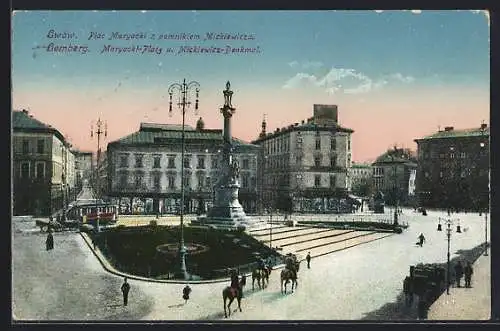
454, 168
394, 175
83, 167
43, 167
144, 169
304, 166
360, 177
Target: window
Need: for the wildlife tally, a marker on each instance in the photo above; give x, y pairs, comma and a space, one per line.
157, 161
207, 182
462, 155
25, 170
187, 181
317, 180
171, 181
317, 161
463, 174
201, 181
333, 143
246, 164
138, 180
156, 181
332, 181
123, 161
40, 144
318, 143
40, 170
26, 146
215, 162
123, 180
187, 162
138, 161
245, 180
171, 162
333, 161
201, 162
298, 160
349, 143
452, 155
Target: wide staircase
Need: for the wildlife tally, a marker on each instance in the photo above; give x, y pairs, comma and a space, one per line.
318, 241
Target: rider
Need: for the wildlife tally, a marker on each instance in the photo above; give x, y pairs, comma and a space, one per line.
235, 285
262, 264
290, 264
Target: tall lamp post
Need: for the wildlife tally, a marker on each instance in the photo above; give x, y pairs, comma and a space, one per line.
63, 181
483, 147
101, 128
183, 90
395, 189
448, 223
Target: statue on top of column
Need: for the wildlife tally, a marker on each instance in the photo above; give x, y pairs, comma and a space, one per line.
227, 110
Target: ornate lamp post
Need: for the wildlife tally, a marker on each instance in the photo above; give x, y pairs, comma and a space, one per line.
448, 223
101, 128
183, 90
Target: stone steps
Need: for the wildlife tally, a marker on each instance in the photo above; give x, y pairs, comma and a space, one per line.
285, 233
304, 237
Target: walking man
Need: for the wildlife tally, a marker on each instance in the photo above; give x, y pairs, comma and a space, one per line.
421, 239
185, 293
308, 259
468, 274
125, 289
459, 271
49, 242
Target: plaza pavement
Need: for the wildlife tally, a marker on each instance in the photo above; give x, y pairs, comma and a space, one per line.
467, 303
357, 283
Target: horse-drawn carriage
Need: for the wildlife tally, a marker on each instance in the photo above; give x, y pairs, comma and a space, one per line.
57, 225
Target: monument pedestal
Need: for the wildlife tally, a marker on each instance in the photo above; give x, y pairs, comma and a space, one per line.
228, 214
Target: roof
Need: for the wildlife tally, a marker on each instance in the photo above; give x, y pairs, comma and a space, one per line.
22, 120
361, 165
151, 133
307, 126
397, 155
461, 133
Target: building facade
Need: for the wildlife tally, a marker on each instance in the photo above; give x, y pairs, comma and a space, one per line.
43, 167
360, 177
394, 176
304, 166
144, 169
83, 167
454, 169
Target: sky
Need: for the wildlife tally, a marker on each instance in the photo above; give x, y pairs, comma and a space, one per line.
394, 75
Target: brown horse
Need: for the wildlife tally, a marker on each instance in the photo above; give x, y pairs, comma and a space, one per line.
261, 275
288, 275
230, 293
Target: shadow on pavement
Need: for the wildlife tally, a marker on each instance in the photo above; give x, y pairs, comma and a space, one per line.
398, 310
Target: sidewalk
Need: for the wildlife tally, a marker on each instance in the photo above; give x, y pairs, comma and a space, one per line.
467, 303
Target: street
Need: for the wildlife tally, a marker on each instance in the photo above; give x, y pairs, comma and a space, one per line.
69, 283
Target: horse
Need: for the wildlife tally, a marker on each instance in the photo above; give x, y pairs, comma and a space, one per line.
227, 293
287, 275
261, 275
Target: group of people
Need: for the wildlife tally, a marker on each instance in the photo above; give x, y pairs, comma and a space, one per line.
466, 272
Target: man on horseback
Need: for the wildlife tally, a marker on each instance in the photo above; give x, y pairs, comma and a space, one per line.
290, 264
262, 264
235, 284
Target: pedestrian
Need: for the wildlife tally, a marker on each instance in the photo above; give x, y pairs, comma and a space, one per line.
185, 293
459, 272
125, 289
468, 271
49, 242
308, 259
421, 240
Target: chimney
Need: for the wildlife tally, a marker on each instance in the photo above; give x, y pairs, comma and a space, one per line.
25, 111
484, 126
448, 128
302, 122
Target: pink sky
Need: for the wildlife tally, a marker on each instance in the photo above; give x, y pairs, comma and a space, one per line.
380, 119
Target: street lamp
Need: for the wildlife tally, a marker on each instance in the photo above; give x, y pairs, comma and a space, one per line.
101, 128
183, 90
448, 223
297, 191
394, 190
483, 146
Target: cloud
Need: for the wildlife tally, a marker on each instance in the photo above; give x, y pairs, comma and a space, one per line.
348, 81
306, 64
